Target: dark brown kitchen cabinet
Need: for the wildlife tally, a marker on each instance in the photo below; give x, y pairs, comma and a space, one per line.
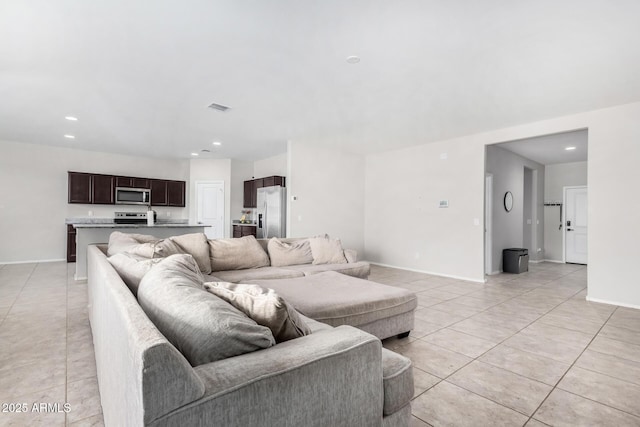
247, 195
102, 189
71, 243
244, 230
79, 187
131, 182
94, 188
158, 192
167, 193
175, 193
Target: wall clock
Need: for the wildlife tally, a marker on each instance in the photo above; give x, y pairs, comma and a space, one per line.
508, 201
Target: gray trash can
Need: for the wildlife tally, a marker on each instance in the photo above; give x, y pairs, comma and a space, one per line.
515, 260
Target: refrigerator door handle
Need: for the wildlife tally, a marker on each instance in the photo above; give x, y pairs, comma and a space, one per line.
259, 220
266, 221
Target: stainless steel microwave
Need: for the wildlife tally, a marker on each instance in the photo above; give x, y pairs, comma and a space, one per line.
133, 196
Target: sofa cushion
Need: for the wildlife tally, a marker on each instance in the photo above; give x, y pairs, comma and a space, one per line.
356, 269
292, 253
137, 244
262, 273
337, 299
197, 245
264, 306
397, 381
326, 250
132, 268
200, 325
237, 254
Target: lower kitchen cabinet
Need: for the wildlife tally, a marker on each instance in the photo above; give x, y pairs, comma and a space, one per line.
71, 243
244, 230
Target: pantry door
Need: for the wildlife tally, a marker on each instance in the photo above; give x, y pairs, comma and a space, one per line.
575, 224
210, 205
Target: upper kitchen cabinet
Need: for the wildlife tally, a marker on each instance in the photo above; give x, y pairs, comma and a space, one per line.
131, 182
250, 196
79, 187
158, 192
102, 189
91, 188
247, 195
175, 193
167, 193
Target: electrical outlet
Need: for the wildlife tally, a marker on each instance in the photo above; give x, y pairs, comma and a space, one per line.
476, 221
90, 213
417, 255
168, 214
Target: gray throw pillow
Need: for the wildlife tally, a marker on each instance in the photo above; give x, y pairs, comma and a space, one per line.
289, 253
237, 254
264, 306
195, 244
327, 251
203, 327
132, 268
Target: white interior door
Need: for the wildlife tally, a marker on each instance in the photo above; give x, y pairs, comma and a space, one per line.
575, 225
210, 207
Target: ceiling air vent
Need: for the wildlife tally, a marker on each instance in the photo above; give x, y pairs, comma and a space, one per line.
219, 107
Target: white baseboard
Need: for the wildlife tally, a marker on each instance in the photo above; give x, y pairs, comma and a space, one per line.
32, 261
620, 304
429, 272
553, 260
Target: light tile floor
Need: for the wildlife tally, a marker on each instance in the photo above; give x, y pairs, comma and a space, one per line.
523, 349
519, 350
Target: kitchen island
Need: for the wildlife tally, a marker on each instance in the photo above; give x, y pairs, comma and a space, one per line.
92, 233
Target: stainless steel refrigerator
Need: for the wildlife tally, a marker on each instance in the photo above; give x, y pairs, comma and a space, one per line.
271, 209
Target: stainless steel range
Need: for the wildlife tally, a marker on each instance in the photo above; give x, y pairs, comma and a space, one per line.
131, 217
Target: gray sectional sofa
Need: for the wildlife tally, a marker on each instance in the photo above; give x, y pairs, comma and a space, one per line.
338, 376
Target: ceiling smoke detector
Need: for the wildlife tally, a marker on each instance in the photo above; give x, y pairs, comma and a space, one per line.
219, 107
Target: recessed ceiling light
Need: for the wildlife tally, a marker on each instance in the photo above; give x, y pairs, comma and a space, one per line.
71, 118
353, 59
194, 154
570, 148
217, 143
70, 136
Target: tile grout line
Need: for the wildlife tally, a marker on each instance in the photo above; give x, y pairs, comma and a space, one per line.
16, 298
501, 342
572, 365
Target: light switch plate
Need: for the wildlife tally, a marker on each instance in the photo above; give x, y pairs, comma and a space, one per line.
444, 204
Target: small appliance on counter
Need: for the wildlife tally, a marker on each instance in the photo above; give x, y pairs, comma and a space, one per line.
133, 217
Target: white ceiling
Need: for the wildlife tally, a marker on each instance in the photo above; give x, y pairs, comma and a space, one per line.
139, 74
550, 149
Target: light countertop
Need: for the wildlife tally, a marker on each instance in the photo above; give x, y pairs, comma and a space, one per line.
159, 225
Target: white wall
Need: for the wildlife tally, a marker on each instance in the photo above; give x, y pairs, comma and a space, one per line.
211, 170
614, 149
557, 177
33, 195
276, 165
404, 225
329, 185
508, 173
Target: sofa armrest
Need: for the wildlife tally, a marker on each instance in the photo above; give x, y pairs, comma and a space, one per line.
351, 255
331, 377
